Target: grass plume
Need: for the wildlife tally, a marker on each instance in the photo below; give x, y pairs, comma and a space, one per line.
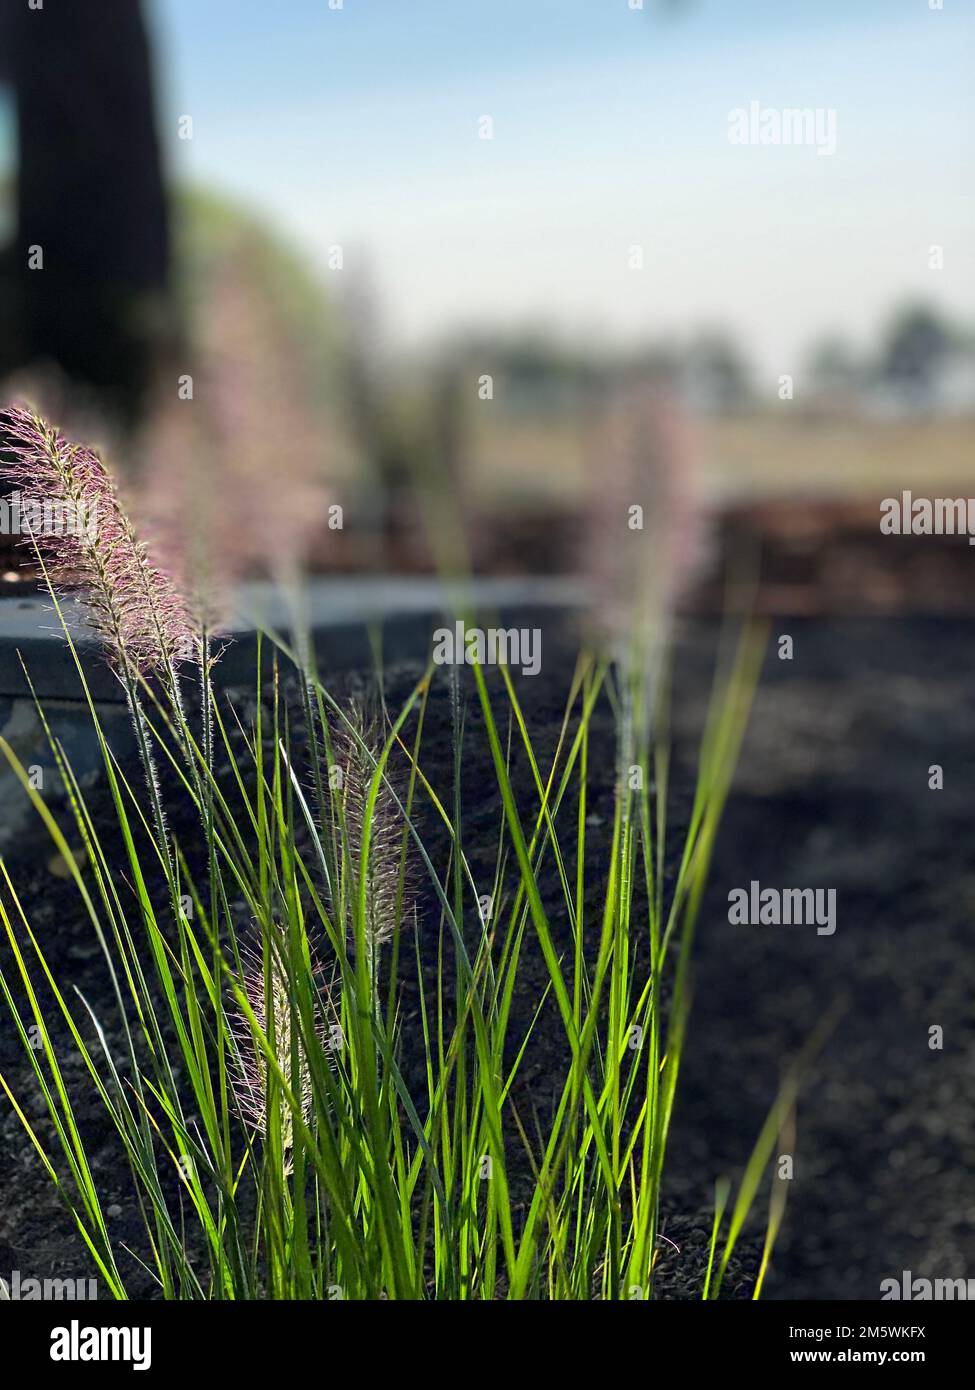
132, 605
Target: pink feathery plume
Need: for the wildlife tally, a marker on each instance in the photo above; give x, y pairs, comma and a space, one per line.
93, 548
272, 433
645, 534
180, 512
235, 477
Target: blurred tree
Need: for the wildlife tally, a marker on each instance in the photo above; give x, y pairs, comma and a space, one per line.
917, 345
716, 373
833, 365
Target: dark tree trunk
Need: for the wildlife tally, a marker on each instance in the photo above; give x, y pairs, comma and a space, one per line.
89, 193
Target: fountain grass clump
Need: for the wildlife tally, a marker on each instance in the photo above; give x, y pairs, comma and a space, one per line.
261, 1108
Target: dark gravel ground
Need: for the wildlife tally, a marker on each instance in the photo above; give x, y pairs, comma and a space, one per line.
832, 792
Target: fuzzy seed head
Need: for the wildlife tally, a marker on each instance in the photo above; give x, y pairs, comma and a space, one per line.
265, 982
131, 604
357, 746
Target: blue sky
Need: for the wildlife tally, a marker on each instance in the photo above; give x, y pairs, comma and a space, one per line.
359, 126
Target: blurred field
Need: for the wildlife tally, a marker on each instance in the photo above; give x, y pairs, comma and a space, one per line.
526, 462
774, 457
